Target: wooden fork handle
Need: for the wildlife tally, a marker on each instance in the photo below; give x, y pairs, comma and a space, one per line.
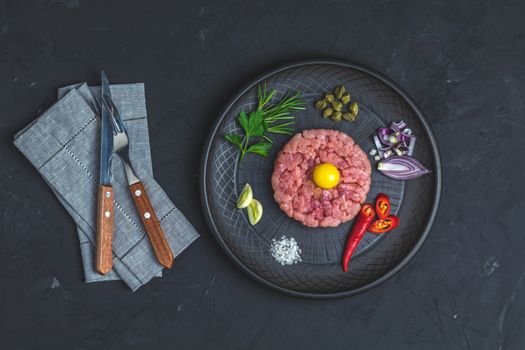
105, 224
151, 224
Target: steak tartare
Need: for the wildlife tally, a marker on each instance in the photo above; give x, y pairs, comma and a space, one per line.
297, 194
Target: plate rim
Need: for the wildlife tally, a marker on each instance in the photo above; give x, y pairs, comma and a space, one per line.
205, 156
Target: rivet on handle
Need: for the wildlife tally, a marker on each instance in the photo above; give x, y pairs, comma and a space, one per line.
151, 224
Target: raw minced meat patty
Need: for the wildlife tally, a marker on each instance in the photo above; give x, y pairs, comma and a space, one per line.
295, 190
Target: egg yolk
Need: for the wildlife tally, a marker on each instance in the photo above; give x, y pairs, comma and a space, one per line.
326, 175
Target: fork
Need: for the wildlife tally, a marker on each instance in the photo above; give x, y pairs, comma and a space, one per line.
138, 191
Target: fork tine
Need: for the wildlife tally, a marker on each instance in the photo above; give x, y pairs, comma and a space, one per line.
111, 110
117, 114
112, 120
114, 114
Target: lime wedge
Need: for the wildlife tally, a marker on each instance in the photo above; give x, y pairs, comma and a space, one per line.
255, 211
246, 197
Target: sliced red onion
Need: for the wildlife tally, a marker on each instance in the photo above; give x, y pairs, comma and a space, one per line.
385, 148
393, 139
399, 126
411, 145
397, 139
403, 149
383, 134
379, 146
404, 139
402, 168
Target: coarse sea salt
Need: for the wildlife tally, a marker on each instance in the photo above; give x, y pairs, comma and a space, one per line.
286, 251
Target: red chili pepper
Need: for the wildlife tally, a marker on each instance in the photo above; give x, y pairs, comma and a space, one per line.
362, 221
384, 225
382, 205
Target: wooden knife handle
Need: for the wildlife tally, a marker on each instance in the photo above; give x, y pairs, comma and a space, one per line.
105, 224
151, 223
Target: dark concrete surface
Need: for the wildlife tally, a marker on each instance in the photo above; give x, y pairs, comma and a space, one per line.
461, 61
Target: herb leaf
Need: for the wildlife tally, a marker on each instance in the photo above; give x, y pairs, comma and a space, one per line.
256, 123
234, 139
261, 148
243, 120
264, 120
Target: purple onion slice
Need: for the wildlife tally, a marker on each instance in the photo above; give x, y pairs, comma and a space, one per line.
399, 126
411, 146
383, 134
404, 139
379, 146
402, 168
396, 139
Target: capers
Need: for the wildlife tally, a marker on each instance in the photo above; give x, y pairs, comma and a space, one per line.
327, 112
332, 105
348, 116
320, 104
336, 117
354, 108
339, 91
337, 106
329, 98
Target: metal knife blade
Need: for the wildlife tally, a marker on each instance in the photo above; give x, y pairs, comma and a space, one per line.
105, 206
106, 136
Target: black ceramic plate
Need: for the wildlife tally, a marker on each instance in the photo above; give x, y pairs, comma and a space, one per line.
319, 275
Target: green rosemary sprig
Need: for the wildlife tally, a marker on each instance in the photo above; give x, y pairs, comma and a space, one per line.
267, 118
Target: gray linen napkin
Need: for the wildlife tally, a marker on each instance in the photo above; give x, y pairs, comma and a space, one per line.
63, 144
141, 153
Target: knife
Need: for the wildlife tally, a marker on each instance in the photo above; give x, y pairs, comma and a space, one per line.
105, 209
140, 196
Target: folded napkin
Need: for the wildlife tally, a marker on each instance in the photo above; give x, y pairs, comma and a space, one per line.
63, 144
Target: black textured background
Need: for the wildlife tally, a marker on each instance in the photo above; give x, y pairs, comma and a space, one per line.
462, 62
